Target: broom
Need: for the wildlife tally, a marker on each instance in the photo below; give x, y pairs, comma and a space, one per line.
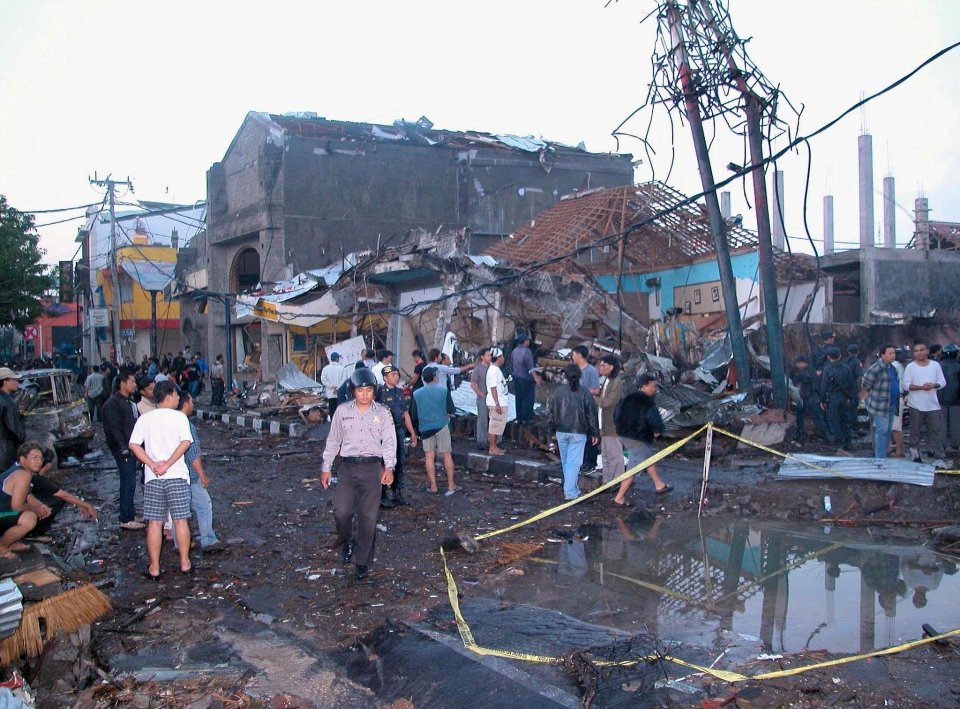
64, 613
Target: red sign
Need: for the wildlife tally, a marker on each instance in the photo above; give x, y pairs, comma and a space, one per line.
30, 332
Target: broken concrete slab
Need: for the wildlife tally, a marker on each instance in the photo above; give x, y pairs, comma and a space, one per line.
765, 434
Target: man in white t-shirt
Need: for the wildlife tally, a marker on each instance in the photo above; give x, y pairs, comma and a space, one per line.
497, 400
159, 440
921, 379
384, 357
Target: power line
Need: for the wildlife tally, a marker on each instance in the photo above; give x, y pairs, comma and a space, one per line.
59, 209
615, 238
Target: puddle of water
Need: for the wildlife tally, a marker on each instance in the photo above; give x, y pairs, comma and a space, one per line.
773, 586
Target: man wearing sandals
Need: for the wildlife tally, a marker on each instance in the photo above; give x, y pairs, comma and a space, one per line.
639, 424
159, 440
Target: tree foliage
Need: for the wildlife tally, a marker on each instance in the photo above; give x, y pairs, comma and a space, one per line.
23, 278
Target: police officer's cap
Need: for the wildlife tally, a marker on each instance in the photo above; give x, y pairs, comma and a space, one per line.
853, 348
389, 369
801, 358
833, 352
826, 334
363, 378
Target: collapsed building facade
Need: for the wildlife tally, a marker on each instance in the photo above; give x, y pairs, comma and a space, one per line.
298, 193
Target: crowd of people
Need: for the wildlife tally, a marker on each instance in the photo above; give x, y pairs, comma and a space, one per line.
924, 392
372, 416
594, 412
144, 410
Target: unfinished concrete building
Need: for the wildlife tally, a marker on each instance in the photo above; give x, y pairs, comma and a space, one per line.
299, 192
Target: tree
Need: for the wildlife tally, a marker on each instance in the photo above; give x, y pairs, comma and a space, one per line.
23, 278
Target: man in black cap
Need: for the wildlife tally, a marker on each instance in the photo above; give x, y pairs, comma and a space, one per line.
391, 395
818, 357
805, 380
837, 389
12, 431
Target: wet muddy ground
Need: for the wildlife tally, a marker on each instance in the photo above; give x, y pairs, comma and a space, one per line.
762, 582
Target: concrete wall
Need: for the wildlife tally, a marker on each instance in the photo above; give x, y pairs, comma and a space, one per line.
744, 270
915, 281
302, 202
502, 190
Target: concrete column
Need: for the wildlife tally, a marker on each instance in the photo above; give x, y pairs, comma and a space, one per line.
921, 220
777, 201
725, 205
889, 214
865, 155
828, 224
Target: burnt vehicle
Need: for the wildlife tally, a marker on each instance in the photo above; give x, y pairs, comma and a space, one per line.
55, 412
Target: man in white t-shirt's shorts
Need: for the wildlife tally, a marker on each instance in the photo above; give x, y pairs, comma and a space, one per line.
159, 440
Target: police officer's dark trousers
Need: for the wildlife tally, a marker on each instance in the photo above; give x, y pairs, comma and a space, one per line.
358, 493
397, 483
838, 419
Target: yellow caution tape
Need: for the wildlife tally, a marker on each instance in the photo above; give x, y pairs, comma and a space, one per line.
652, 460
726, 675
470, 643
853, 658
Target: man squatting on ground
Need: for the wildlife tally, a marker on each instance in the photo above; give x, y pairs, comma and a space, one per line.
363, 435
159, 440
29, 501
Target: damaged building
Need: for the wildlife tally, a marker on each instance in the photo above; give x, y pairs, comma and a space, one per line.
650, 250
296, 193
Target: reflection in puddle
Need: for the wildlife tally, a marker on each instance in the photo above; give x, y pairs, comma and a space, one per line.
792, 587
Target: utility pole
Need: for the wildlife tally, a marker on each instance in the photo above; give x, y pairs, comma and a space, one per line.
768, 277
718, 227
111, 184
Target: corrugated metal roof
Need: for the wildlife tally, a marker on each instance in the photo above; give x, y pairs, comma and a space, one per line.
893, 470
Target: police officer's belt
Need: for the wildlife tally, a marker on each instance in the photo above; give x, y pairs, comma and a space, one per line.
361, 459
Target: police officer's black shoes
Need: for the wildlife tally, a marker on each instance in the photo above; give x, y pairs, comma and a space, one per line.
386, 503
346, 552
362, 572
399, 500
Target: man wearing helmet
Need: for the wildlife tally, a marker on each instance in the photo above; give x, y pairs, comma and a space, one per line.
363, 435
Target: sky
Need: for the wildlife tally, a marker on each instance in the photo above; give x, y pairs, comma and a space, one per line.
156, 91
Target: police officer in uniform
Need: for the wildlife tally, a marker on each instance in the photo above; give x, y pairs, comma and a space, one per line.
837, 389
363, 435
391, 396
818, 357
856, 368
804, 378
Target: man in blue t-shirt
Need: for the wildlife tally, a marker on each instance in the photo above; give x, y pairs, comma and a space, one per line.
431, 400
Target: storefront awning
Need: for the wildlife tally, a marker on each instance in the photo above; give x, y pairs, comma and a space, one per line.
150, 275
